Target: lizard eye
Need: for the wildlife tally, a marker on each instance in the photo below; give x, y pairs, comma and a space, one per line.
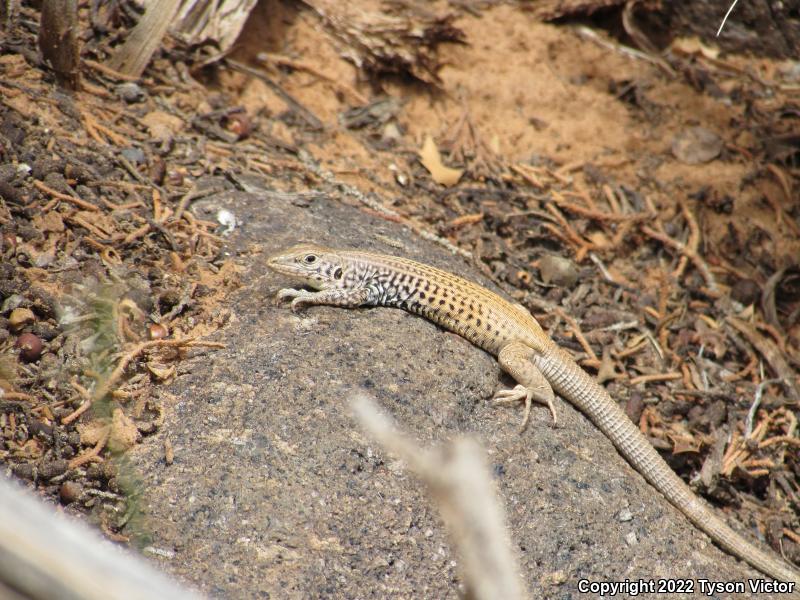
310, 259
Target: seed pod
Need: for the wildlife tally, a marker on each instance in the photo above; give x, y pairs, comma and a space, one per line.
29, 346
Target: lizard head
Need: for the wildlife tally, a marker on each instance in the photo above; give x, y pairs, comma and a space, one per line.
316, 266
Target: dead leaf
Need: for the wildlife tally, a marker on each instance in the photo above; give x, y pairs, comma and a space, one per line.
606, 372
696, 145
693, 45
124, 433
160, 371
431, 159
93, 431
162, 126
31, 450
682, 445
52, 222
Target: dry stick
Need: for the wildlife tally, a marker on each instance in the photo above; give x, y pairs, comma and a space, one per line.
751, 414
791, 535
779, 339
59, 41
780, 439
106, 70
87, 402
15, 396
576, 330
192, 195
739, 449
656, 377
611, 198
770, 351
90, 129
748, 368
310, 118
95, 229
136, 234
570, 233
297, 65
693, 243
526, 172
459, 479
597, 215
698, 262
115, 137
93, 453
65, 197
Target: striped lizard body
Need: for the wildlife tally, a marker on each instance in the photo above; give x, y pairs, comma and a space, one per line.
349, 278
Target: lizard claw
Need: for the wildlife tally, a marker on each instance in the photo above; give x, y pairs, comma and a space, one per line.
298, 297
287, 293
520, 392
298, 303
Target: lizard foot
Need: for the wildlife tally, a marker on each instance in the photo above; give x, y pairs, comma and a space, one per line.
298, 297
520, 392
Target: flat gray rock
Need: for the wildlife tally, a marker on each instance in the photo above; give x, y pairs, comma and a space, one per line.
276, 493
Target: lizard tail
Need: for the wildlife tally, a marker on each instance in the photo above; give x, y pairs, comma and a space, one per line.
574, 384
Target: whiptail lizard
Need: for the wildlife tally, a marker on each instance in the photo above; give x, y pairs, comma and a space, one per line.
352, 278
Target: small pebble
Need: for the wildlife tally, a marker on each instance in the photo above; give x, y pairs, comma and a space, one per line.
134, 155
20, 317
696, 145
131, 92
558, 271
53, 468
69, 492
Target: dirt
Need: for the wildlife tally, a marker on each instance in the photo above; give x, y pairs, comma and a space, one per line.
569, 146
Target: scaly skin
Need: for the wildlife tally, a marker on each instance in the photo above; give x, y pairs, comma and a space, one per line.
351, 279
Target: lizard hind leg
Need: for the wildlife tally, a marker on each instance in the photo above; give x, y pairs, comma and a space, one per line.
515, 359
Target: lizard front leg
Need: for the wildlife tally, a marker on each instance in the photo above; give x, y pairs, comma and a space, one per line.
348, 298
515, 359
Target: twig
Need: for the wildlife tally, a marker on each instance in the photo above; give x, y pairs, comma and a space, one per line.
65, 197
691, 254
87, 403
780, 439
460, 481
15, 396
597, 215
656, 377
192, 195
304, 113
770, 351
751, 414
576, 330
106, 70
92, 454
284, 61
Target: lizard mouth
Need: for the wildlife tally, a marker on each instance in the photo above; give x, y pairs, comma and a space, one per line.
282, 264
